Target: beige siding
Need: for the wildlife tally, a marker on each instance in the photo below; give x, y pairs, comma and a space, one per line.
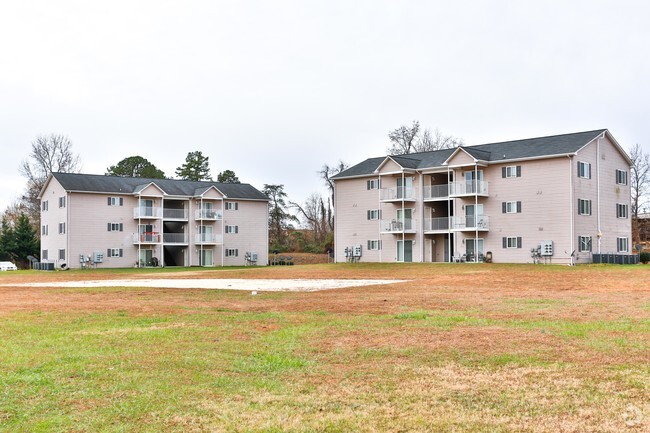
53, 241
390, 166
251, 220
461, 158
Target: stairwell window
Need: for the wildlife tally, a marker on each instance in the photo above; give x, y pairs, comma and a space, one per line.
584, 244
621, 210
622, 245
584, 170
584, 207
621, 177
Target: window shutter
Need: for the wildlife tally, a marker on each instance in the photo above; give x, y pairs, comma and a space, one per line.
236, 229
109, 200
367, 214
236, 206
578, 169
504, 241
121, 201
108, 227
518, 207
108, 252
379, 215
519, 171
589, 171
519, 242
121, 227
380, 244
121, 252
503, 172
503, 207
367, 185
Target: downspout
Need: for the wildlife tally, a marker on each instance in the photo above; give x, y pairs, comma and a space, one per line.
162, 233
223, 231
201, 210
138, 231
571, 217
600, 234
67, 228
381, 246
450, 203
476, 212
421, 230
403, 217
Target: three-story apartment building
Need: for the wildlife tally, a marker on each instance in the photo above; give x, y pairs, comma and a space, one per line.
124, 222
555, 199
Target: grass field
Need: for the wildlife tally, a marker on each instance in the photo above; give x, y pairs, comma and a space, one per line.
458, 348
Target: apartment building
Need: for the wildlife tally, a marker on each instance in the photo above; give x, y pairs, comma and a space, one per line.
556, 199
109, 221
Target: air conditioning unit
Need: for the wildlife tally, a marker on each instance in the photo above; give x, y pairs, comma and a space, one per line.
98, 257
546, 248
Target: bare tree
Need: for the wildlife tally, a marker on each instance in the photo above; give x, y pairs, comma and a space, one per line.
327, 172
403, 138
49, 154
436, 140
639, 178
316, 217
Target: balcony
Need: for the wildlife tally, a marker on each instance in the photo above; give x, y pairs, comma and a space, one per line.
208, 239
436, 224
146, 238
471, 223
145, 212
468, 188
208, 214
175, 214
407, 225
399, 193
436, 192
175, 238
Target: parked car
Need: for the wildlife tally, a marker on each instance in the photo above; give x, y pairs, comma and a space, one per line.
7, 266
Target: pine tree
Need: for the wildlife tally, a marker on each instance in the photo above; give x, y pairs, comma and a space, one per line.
7, 240
26, 240
195, 168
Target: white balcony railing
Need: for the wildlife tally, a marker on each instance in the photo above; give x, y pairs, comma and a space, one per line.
147, 212
208, 214
407, 225
175, 238
434, 224
477, 222
398, 193
175, 214
436, 191
146, 238
469, 187
208, 238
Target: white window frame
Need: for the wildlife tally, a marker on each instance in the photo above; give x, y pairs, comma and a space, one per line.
115, 252
511, 207
584, 205
622, 245
232, 229
621, 177
374, 244
511, 242
584, 170
116, 201
372, 184
44, 230
115, 227
62, 202
44, 255
232, 252
231, 205
621, 211
45, 206
511, 171
585, 244
373, 214
61, 228
61, 253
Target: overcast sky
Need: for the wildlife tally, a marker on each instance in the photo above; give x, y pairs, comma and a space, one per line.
274, 89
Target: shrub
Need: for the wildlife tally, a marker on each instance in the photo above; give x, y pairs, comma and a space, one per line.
644, 257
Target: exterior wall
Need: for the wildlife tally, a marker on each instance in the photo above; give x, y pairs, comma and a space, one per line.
461, 158
604, 193
252, 236
53, 241
390, 167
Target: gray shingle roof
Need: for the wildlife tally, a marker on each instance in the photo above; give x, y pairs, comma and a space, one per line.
174, 187
491, 152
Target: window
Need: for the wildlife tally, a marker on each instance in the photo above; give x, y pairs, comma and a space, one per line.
61, 228
232, 206
44, 230
584, 243
584, 207
373, 214
512, 242
621, 177
44, 205
621, 210
62, 254
372, 184
115, 201
511, 207
62, 201
622, 245
232, 229
374, 245
44, 255
230, 252
115, 227
511, 171
114, 252
584, 170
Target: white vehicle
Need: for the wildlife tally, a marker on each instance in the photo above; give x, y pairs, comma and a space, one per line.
7, 266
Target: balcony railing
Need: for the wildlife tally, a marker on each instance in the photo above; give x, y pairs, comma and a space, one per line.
435, 224
146, 238
208, 238
407, 225
175, 214
147, 212
477, 222
398, 193
433, 192
175, 238
469, 187
208, 214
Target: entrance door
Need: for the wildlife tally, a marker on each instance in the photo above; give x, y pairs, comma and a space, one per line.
146, 257
206, 258
405, 251
473, 247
